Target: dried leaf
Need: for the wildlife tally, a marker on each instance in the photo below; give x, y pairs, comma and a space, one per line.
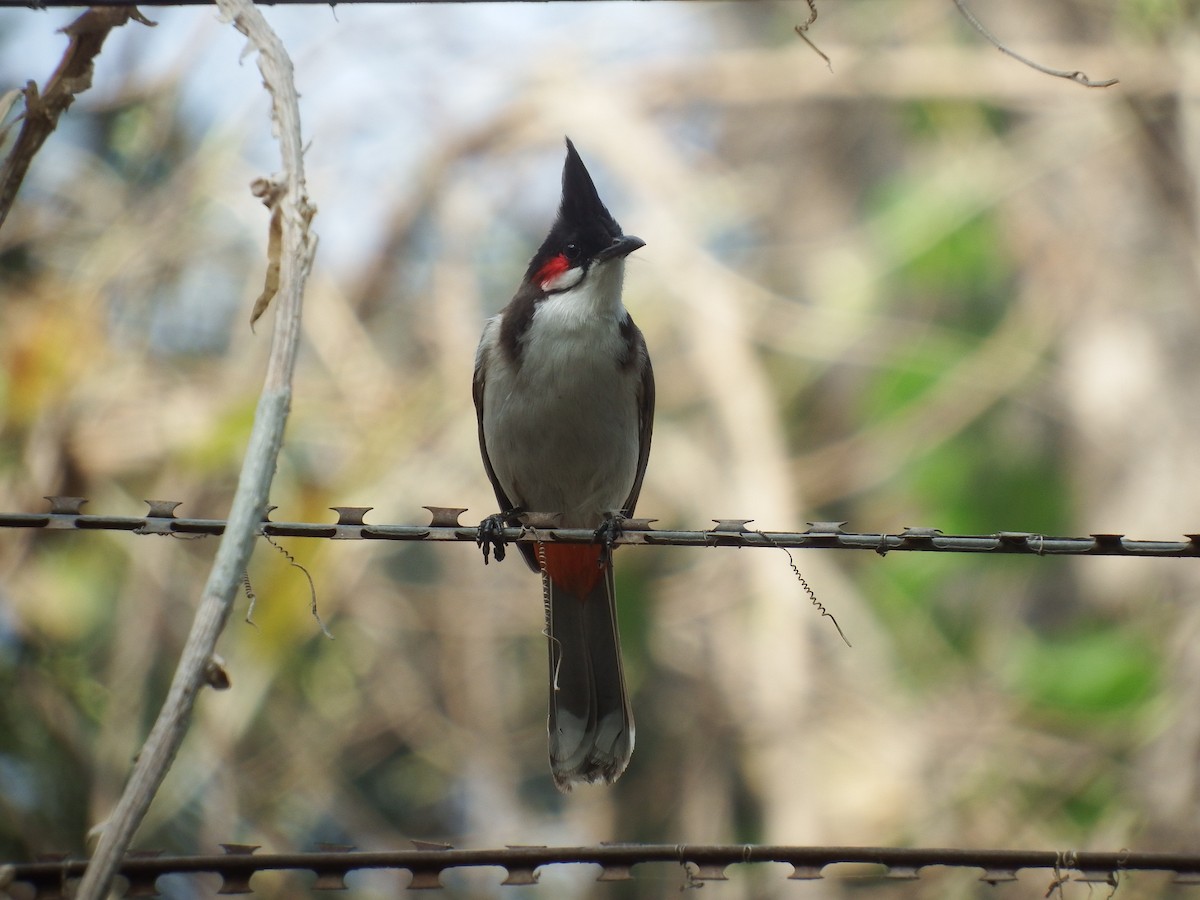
270, 193
271, 282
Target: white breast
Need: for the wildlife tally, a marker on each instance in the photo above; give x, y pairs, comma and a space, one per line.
562, 428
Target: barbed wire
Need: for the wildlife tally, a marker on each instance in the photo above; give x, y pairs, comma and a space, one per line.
50, 877
52, 4
66, 513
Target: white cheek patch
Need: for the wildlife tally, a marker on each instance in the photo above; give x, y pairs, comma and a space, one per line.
563, 281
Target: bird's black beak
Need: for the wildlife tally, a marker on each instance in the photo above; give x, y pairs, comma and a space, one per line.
622, 246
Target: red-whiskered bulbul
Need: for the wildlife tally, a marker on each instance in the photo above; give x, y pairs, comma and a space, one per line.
564, 394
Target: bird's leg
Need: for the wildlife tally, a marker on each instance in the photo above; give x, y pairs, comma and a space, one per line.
489, 537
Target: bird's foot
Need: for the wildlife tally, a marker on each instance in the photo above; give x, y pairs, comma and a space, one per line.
608, 533
489, 537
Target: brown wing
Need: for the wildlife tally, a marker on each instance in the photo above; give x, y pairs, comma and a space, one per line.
645, 401
478, 387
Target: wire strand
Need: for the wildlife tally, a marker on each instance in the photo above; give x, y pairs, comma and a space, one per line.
66, 514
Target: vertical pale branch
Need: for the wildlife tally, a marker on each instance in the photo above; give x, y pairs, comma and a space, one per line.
288, 196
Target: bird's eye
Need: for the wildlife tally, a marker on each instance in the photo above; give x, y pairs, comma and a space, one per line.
571, 252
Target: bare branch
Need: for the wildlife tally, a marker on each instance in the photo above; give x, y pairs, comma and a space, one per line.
1075, 75
250, 500
73, 76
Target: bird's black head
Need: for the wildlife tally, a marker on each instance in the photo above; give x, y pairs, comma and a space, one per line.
583, 233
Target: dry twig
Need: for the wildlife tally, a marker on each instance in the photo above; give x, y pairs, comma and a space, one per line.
258, 469
73, 76
1070, 75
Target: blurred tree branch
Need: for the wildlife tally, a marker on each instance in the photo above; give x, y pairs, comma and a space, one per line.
73, 76
1071, 75
290, 204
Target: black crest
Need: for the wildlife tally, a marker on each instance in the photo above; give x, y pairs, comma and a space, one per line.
584, 225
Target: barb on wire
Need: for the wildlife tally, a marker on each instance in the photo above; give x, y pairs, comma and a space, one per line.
67, 513
701, 863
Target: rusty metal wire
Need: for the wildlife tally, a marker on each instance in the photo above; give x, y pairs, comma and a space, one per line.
52, 4
67, 513
51, 878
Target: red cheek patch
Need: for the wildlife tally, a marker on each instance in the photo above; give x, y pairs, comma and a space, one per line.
553, 267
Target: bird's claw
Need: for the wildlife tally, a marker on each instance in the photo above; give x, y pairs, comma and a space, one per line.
489, 537
608, 533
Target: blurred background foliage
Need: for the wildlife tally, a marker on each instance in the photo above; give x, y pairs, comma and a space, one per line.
928, 288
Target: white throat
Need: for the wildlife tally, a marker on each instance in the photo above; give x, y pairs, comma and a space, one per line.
597, 295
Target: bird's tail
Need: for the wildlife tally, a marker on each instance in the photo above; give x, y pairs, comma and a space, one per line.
591, 724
